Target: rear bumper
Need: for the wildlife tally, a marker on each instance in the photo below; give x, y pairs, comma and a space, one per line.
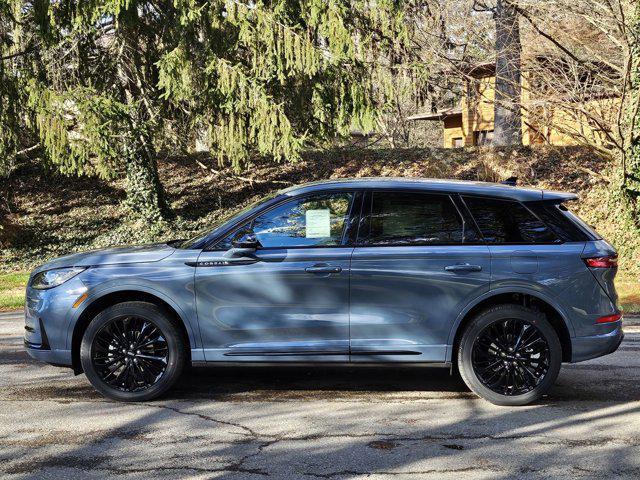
586, 348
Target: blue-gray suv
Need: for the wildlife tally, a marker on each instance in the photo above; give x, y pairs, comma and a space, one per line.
503, 282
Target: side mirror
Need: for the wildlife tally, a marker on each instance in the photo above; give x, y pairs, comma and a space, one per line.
243, 249
248, 241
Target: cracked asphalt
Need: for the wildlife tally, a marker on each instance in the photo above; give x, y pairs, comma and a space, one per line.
245, 423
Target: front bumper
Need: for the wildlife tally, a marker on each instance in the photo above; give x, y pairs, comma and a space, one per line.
61, 358
48, 315
586, 348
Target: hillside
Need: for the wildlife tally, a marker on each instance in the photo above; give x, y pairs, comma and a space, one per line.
45, 214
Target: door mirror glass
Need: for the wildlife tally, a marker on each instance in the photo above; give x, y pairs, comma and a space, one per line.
246, 241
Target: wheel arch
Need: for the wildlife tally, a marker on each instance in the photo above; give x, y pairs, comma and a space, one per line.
535, 300
108, 299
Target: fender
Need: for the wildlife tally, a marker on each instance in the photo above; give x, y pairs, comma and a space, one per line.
538, 293
189, 321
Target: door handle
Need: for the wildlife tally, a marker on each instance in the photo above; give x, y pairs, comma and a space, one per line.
323, 269
463, 267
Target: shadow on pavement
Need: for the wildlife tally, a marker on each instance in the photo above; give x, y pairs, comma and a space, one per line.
315, 382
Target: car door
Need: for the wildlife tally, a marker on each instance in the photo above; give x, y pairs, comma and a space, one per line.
418, 262
291, 302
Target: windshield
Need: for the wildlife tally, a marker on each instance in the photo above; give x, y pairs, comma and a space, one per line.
201, 235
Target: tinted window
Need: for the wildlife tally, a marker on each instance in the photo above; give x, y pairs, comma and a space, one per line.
587, 229
317, 220
504, 221
413, 219
559, 219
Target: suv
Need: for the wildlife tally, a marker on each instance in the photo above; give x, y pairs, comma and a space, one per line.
503, 282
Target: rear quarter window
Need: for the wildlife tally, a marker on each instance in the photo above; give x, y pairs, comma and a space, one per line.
508, 221
566, 225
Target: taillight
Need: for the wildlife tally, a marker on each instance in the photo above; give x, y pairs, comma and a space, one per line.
609, 318
610, 261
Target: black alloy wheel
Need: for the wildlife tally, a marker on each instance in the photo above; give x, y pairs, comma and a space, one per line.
130, 353
510, 357
133, 351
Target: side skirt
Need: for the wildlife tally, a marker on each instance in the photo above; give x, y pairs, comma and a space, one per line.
324, 364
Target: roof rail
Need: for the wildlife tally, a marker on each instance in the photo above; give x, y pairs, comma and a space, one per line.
511, 181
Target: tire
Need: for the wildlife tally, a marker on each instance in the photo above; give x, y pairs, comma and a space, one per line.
509, 377
141, 371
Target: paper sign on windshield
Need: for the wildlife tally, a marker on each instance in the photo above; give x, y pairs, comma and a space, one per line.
318, 223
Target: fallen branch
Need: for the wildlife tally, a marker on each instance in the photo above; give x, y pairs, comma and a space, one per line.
27, 150
238, 177
594, 173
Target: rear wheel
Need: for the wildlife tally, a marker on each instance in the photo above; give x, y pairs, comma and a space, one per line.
509, 355
132, 351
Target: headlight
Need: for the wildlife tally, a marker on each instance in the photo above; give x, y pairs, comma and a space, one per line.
53, 278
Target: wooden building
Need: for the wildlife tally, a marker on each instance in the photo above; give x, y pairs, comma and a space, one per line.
546, 118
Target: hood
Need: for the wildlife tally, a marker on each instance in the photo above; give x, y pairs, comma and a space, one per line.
111, 256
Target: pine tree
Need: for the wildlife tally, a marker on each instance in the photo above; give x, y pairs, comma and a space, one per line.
11, 96
263, 77
106, 84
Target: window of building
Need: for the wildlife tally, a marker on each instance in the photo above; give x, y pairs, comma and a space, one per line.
483, 137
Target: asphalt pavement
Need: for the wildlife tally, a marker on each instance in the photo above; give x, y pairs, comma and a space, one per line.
246, 423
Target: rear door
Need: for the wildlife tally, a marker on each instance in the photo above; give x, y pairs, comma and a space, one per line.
418, 262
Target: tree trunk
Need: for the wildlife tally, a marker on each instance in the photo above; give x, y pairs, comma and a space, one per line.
145, 194
507, 115
631, 169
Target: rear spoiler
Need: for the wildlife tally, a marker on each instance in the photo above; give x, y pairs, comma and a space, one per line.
559, 197
548, 195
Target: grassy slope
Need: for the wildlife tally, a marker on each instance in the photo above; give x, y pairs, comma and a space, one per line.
12, 286
47, 215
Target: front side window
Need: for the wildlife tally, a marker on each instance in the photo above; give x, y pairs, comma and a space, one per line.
404, 218
310, 221
506, 221
201, 236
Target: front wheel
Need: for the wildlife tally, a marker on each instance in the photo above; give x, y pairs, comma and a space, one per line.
132, 351
509, 355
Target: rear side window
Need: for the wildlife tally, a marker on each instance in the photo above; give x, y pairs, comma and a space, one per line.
506, 221
564, 224
404, 218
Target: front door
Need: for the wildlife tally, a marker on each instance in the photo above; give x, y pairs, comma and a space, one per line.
292, 302
416, 265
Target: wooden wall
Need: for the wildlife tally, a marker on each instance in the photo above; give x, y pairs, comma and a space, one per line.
541, 122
